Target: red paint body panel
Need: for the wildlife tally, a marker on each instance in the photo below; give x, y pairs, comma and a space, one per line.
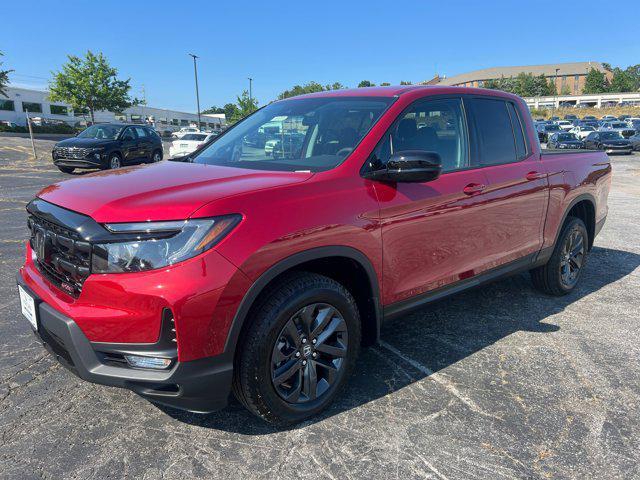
417, 237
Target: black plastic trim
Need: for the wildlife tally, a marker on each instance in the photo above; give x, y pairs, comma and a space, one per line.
290, 262
200, 386
398, 308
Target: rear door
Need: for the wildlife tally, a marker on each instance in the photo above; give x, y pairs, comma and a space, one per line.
144, 143
129, 145
517, 192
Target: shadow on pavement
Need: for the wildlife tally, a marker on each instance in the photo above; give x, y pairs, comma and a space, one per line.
439, 335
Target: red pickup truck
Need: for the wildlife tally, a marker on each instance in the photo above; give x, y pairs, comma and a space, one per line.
262, 262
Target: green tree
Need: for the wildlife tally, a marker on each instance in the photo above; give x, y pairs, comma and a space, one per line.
634, 74
296, 90
385, 84
334, 86
622, 81
366, 83
404, 82
214, 109
91, 84
4, 79
244, 107
596, 82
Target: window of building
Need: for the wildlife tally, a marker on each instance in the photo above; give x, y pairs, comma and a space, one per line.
121, 117
31, 107
59, 110
7, 105
175, 121
136, 118
495, 140
429, 125
184, 123
163, 121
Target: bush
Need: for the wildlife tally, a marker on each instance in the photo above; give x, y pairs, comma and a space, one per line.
62, 129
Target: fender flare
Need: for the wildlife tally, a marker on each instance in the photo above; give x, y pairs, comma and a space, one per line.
583, 196
288, 263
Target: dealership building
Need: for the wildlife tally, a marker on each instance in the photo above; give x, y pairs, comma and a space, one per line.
22, 101
569, 78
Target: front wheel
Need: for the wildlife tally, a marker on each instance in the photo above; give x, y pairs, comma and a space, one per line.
561, 273
156, 156
299, 349
115, 161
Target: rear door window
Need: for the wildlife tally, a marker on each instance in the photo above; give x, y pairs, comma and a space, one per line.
518, 130
493, 131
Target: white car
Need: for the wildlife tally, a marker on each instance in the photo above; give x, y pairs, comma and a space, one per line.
184, 131
582, 132
268, 146
564, 124
609, 118
189, 143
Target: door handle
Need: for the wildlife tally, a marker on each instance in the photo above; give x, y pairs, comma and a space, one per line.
535, 176
473, 188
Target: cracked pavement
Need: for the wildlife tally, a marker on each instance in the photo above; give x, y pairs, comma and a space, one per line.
497, 382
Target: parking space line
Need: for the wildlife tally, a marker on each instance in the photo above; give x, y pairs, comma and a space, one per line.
441, 380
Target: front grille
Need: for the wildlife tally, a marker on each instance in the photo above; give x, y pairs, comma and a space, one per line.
72, 152
61, 255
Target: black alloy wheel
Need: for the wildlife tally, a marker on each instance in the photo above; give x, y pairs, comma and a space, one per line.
309, 353
572, 258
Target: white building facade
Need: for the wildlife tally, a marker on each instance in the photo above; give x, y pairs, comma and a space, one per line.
22, 101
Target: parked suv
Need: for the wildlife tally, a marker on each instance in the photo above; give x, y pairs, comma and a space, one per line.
235, 270
109, 145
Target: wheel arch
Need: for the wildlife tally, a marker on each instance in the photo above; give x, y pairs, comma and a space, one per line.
319, 260
584, 208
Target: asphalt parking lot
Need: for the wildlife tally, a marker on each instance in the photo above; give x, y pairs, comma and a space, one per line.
498, 382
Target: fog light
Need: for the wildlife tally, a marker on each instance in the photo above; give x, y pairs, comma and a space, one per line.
148, 362
96, 156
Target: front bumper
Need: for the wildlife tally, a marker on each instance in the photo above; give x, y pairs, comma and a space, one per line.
78, 163
199, 385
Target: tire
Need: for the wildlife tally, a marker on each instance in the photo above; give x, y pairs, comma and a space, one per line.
156, 156
560, 275
66, 169
114, 161
268, 348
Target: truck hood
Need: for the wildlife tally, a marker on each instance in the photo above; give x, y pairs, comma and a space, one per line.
162, 191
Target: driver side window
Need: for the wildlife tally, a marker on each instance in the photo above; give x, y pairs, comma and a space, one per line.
432, 126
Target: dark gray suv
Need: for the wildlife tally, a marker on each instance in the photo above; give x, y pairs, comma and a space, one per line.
108, 145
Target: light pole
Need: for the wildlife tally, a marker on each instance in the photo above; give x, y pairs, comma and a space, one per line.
555, 85
195, 72
250, 90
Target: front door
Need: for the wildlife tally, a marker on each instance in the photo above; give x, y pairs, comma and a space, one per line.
129, 145
433, 233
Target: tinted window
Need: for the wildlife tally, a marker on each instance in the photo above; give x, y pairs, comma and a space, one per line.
7, 105
432, 126
128, 134
521, 146
142, 133
194, 136
495, 140
101, 132
31, 107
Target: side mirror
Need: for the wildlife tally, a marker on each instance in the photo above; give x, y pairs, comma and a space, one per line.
409, 166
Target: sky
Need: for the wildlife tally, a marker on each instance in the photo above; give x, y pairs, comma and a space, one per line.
283, 43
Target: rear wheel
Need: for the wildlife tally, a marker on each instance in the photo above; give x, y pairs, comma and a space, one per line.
66, 169
561, 273
299, 349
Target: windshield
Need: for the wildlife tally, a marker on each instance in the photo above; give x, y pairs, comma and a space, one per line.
611, 135
553, 127
194, 136
618, 125
588, 129
312, 134
101, 132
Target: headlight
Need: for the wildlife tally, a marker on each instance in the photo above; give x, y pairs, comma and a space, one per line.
150, 245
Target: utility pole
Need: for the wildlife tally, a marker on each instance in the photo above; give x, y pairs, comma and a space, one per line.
33, 144
250, 90
195, 71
